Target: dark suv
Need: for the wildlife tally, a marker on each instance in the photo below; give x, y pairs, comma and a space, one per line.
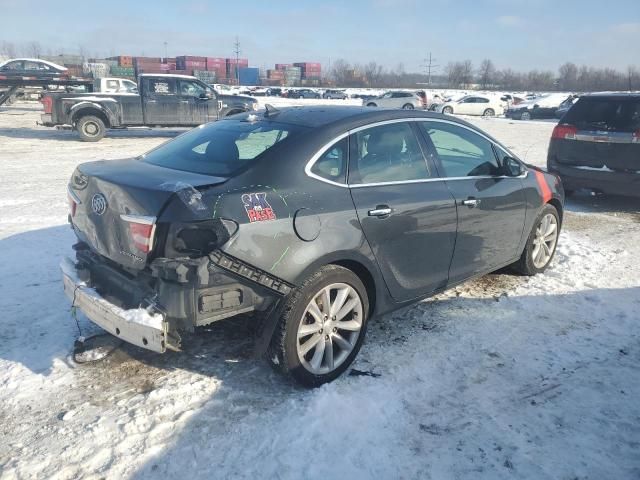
596, 145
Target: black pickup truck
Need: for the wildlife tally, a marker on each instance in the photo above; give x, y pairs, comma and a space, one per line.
163, 101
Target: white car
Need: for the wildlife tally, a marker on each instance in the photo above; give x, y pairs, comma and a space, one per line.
396, 99
473, 105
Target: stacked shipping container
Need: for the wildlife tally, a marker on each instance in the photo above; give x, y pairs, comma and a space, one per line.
309, 70
233, 65
189, 62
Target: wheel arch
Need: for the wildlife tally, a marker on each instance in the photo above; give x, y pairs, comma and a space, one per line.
557, 204
365, 276
363, 267
91, 111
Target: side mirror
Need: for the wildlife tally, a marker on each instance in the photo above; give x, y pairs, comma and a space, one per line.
512, 167
205, 96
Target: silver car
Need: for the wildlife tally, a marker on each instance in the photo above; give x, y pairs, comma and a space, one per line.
397, 99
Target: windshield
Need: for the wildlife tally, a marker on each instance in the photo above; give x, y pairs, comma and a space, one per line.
221, 148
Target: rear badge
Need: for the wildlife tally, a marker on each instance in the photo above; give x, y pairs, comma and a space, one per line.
98, 204
257, 207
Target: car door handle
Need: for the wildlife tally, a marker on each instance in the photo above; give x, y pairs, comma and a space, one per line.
380, 211
152, 101
471, 202
184, 101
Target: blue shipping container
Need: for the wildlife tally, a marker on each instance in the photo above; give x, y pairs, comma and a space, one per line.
249, 76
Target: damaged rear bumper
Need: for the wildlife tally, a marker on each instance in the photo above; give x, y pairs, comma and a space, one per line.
182, 294
138, 327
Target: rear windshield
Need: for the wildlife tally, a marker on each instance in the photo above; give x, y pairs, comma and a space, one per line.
606, 113
221, 148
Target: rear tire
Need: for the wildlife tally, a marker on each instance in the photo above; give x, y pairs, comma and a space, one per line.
90, 128
489, 112
525, 116
371, 104
311, 343
541, 245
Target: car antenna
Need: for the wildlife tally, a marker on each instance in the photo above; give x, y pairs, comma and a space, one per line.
270, 110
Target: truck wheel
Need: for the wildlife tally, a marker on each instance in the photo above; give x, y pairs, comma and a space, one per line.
541, 244
322, 327
90, 128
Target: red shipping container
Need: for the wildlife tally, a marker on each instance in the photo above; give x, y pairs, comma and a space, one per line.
239, 61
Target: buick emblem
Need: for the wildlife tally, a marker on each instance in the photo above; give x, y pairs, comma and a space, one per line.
98, 204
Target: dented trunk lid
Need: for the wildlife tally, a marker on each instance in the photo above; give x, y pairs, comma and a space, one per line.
109, 193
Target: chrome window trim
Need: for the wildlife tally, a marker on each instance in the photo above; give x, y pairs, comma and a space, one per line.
318, 154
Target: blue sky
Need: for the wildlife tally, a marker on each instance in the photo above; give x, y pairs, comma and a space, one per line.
519, 34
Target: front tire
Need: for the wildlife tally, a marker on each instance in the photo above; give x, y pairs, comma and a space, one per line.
525, 116
407, 106
371, 104
322, 327
90, 128
541, 244
489, 112
447, 110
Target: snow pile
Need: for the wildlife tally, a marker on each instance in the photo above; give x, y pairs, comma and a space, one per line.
142, 317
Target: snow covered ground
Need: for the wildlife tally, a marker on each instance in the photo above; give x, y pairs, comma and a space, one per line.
504, 377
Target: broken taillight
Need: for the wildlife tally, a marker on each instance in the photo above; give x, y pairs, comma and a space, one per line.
141, 230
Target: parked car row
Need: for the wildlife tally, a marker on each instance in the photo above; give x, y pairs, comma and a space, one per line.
547, 106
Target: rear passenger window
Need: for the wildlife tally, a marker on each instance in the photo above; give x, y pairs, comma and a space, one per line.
620, 114
332, 164
462, 153
388, 153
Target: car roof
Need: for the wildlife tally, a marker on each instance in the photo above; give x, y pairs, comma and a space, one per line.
611, 94
346, 117
168, 75
37, 60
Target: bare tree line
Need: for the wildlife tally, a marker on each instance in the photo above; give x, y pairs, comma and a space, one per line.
462, 74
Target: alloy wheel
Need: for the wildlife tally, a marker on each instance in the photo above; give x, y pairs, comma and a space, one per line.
329, 328
545, 241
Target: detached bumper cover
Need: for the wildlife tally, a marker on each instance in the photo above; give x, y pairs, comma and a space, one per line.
134, 326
